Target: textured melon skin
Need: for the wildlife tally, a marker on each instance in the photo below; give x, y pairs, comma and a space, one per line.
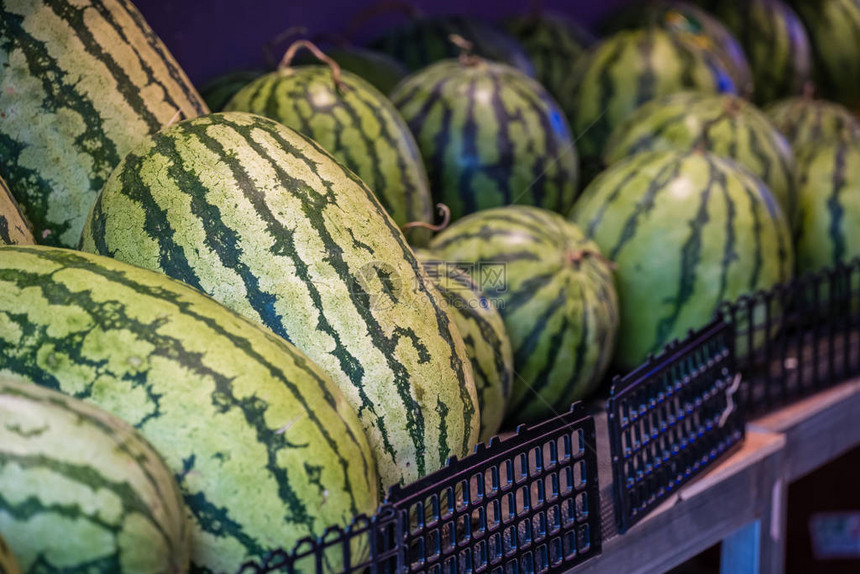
269, 224
264, 447
357, 125
555, 294
490, 136
81, 490
687, 230
14, 227
483, 331
805, 121
81, 84
725, 125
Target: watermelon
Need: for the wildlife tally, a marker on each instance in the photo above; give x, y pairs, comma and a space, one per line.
81, 83
269, 224
834, 33
425, 40
774, 41
552, 42
805, 121
722, 124
483, 330
8, 562
265, 448
81, 490
687, 231
555, 294
376, 68
356, 124
14, 227
490, 136
218, 91
829, 181
627, 70
693, 24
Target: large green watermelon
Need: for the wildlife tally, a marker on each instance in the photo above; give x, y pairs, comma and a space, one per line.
8, 562
483, 329
627, 70
356, 124
265, 448
834, 32
555, 294
687, 231
829, 181
218, 91
425, 40
725, 125
82, 491
81, 83
553, 42
269, 224
774, 41
490, 136
691, 23
14, 227
805, 121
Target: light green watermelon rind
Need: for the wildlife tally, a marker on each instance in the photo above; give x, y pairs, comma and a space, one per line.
264, 447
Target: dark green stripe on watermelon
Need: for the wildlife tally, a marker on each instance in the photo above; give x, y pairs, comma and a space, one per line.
490, 136
81, 84
265, 448
687, 231
269, 224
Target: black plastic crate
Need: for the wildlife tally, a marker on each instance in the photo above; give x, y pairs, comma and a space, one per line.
670, 418
525, 504
797, 339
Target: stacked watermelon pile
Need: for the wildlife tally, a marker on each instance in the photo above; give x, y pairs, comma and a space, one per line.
223, 332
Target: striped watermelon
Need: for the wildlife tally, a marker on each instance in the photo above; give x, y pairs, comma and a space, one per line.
552, 42
490, 136
82, 491
14, 227
425, 40
8, 563
483, 330
376, 68
268, 223
555, 294
829, 181
356, 124
218, 92
722, 124
693, 24
805, 121
687, 230
264, 447
774, 41
834, 33
81, 83
627, 70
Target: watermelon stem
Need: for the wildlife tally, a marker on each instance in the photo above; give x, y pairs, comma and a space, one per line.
808, 90
269, 47
466, 56
319, 54
577, 257
446, 219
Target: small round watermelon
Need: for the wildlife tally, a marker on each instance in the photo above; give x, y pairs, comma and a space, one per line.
775, 43
484, 334
553, 42
490, 136
425, 40
555, 293
696, 25
354, 122
687, 230
829, 181
723, 124
627, 70
805, 121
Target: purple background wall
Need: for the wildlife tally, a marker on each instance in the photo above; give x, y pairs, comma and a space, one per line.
211, 37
